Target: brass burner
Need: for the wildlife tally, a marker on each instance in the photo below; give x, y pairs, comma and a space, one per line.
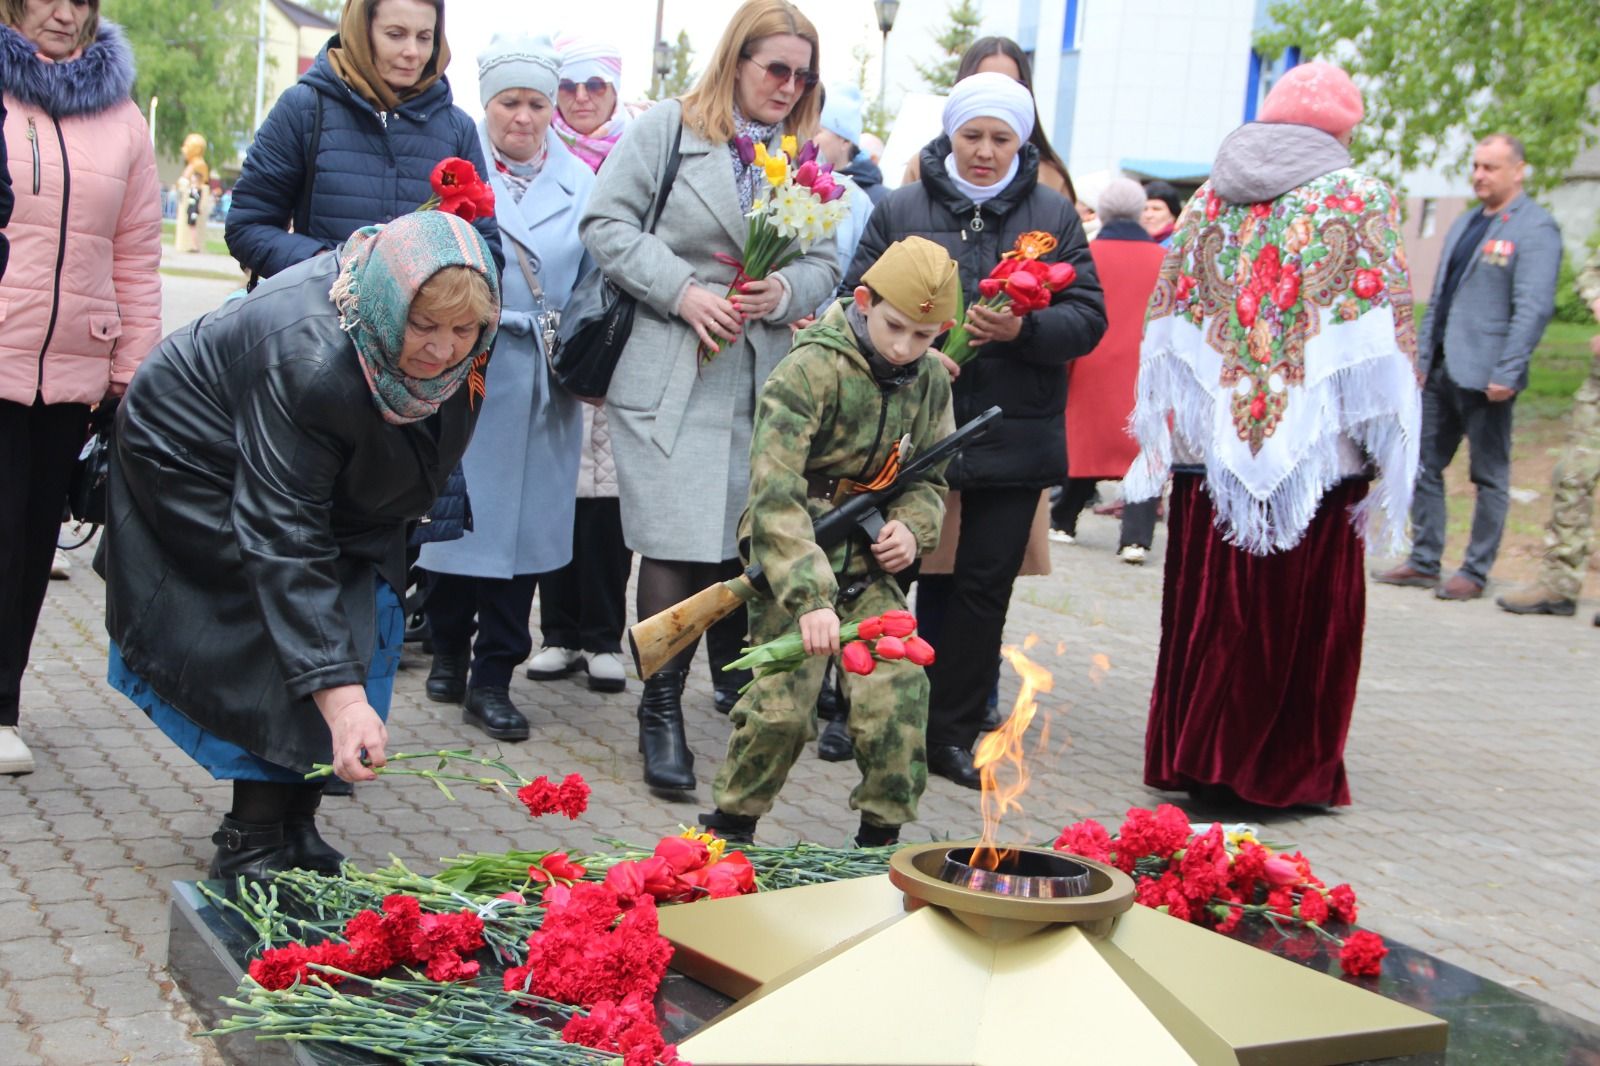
1020, 874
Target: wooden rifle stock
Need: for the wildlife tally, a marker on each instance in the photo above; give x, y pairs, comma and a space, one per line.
657, 640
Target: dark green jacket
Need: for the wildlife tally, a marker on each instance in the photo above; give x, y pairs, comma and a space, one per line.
821, 412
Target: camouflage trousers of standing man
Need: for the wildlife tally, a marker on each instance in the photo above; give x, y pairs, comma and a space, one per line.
776, 717
1569, 538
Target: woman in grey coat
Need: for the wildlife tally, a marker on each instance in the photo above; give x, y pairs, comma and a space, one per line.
681, 428
522, 465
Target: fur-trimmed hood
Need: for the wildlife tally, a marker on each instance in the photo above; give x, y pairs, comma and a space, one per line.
98, 79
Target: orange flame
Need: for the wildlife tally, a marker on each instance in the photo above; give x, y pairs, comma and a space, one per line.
1004, 747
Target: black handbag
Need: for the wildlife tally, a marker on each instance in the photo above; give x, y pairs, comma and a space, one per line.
597, 320
86, 492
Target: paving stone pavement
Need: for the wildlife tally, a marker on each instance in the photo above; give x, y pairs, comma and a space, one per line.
1472, 759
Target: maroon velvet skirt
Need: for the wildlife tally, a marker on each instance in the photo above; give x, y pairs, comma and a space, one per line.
1259, 656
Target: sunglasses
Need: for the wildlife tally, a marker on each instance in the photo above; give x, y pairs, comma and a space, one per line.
594, 86
780, 74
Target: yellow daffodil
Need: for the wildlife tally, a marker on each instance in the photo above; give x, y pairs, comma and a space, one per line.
761, 155
790, 145
777, 169
714, 844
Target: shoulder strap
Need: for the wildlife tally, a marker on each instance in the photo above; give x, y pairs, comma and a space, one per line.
527, 271
302, 215
673, 159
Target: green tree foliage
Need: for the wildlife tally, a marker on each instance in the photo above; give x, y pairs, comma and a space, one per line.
875, 119
953, 42
199, 58
328, 9
1435, 72
680, 79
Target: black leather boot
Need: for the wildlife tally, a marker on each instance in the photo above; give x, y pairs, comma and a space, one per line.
954, 762
447, 681
834, 744
668, 763
877, 836
491, 710
245, 849
307, 850
734, 828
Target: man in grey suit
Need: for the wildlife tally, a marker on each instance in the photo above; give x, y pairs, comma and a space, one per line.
1492, 298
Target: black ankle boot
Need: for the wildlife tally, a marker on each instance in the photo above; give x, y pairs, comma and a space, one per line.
491, 710
306, 848
734, 828
877, 836
834, 744
668, 763
447, 681
252, 851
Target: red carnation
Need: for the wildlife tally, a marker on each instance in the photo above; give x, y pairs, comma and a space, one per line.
919, 651
1342, 902
889, 648
542, 797
448, 966
1313, 906
574, 795
1368, 284
899, 623
279, 968
1087, 838
857, 658
1281, 901
1228, 917
1363, 954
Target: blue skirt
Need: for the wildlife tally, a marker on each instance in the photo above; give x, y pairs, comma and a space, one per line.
227, 761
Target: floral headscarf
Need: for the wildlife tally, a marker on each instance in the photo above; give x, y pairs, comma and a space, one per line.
381, 270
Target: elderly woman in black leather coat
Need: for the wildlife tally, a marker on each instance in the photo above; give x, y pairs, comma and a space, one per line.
268, 458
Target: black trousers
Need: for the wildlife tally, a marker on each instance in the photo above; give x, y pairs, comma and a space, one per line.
38, 446
497, 607
994, 535
1138, 519
584, 605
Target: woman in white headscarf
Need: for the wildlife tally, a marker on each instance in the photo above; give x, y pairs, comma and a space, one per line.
978, 193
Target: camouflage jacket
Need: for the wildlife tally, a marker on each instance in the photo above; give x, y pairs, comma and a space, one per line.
1589, 279
821, 412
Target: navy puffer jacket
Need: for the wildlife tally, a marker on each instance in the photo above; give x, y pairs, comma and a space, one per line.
369, 168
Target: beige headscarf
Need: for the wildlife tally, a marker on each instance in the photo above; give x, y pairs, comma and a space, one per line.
352, 58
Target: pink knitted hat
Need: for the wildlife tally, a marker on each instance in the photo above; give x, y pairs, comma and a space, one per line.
1315, 94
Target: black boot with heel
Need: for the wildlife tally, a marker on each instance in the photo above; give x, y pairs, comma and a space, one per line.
668, 763
307, 849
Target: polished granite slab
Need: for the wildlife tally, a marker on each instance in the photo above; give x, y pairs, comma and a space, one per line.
1490, 1024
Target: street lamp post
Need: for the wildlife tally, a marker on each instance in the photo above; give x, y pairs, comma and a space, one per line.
886, 11
663, 66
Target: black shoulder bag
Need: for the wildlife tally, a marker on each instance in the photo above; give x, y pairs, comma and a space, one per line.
86, 491
595, 324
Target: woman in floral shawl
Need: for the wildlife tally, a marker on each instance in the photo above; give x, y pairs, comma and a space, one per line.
268, 457
1279, 349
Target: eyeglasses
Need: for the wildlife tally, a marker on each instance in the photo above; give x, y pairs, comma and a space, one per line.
781, 74
594, 86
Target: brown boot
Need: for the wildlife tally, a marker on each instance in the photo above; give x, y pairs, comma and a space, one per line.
1407, 576
1459, 587
1536, 599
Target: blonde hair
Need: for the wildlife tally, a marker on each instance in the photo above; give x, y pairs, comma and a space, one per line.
453, 293
12, 11
709, 105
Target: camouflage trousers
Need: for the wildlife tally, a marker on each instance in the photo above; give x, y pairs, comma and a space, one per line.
1569, 538
778, 714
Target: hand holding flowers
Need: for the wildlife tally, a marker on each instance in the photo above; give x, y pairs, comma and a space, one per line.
1021, 283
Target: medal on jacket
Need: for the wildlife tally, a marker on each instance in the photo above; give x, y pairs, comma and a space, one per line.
1498, 252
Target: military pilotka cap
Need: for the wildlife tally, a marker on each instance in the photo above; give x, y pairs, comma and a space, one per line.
919, 279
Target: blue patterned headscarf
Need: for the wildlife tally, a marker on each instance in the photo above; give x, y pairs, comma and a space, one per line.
381, 270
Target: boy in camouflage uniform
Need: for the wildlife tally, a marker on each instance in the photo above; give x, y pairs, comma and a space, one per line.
829, 416
1569, 536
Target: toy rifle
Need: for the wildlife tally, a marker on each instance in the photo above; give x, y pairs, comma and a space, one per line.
656, 640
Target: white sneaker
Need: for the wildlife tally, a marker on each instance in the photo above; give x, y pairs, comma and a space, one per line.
15, 758
1133, 555
606, 673
553, 663
61, 568
1062, 537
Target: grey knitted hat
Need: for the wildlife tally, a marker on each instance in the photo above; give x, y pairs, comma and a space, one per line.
518, 61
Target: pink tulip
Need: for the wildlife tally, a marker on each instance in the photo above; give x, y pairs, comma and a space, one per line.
1281, 872
806, 174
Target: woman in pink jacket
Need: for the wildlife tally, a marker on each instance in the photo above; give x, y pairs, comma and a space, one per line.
80, 303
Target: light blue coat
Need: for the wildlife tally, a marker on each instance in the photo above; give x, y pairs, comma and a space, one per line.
522, 464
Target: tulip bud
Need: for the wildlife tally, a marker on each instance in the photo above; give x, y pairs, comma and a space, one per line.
857, 658
869, 628
899, 623
1281, 872
919, 651
889, 648
1061, 275
989, 288
807, 173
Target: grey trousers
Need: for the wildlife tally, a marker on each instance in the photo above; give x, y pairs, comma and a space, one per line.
1450, 413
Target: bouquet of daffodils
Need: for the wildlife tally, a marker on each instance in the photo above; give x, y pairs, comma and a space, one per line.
803, 205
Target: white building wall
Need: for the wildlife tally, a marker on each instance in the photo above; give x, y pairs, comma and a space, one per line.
1157, 80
